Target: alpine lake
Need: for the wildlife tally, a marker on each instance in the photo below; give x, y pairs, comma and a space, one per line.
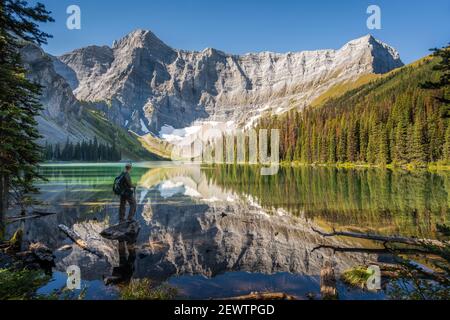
225, 230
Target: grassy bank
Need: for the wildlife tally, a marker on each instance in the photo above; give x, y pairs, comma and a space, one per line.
350, 165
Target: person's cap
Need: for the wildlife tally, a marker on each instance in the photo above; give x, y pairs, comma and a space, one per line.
128, 165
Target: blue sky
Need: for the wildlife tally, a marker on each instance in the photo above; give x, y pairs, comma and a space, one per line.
243, 26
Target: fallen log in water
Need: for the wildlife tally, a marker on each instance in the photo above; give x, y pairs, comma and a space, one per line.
395, 239
369, 250
15, 219
36, 214
263, 296
43, 213
77, 239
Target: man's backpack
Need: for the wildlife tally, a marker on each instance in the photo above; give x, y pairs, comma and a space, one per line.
118, 187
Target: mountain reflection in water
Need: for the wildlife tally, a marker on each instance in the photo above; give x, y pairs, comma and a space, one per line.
225, 230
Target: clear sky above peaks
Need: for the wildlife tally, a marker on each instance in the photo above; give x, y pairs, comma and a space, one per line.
241, 26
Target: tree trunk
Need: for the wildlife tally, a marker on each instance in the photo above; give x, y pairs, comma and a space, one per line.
394, 239
3, 204
328, 289
263, 296
75, 237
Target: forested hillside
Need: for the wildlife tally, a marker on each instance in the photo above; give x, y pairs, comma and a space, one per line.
392, 120
91, 150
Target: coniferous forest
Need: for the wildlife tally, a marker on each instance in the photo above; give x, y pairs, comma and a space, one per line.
401, 118
90, 150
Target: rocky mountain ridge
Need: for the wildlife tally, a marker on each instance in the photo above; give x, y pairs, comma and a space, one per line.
142, 84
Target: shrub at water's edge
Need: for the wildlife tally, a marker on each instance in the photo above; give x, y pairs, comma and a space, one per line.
143, 289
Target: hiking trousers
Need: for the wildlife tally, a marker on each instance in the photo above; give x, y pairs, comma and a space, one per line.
123, 201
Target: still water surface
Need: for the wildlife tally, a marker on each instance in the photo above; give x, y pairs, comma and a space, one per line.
224, 231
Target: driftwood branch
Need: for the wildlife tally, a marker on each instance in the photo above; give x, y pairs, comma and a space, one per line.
418, 271
77, 240
263, 296
36, 214
385, 239
369, 250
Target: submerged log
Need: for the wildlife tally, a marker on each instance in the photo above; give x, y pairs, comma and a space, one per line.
263, 296
395, 239
328, 282
369, 250
35, 215
21, 218
77, 240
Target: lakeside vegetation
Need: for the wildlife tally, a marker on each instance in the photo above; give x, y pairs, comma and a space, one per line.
21, 284
352, 165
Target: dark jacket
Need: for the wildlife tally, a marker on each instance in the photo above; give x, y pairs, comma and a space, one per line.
128, 185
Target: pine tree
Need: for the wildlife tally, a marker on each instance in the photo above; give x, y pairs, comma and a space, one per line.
363, 141
288, 156
373, 142
352, 141
298, 151
342, 146
383, 151
446, 150
418, 144
444, 81
332, 149
401, 141
19, 102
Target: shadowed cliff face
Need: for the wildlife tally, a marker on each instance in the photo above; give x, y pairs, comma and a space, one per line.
147, 84
61, 117
189, 226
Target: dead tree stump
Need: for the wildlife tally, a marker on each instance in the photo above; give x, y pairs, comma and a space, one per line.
328, 282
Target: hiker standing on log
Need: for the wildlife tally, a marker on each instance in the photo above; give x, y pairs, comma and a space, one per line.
127, 195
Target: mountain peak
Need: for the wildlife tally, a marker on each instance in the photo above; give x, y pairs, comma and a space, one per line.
368, 39
142, 34
139, 38
385, 57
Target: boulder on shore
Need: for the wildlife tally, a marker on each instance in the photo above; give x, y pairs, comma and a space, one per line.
125, 231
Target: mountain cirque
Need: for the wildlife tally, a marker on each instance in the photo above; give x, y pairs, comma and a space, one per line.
142, 84
141, 78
